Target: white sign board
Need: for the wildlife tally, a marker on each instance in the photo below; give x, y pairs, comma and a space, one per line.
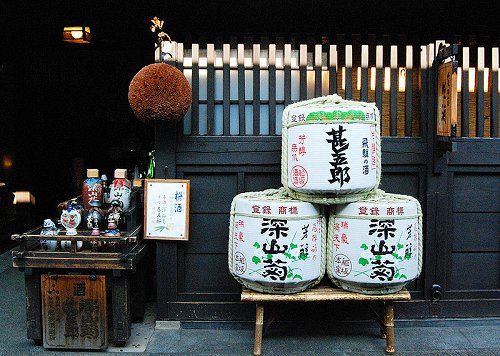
166, 209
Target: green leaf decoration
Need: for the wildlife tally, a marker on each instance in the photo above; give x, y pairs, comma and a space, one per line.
408, 256
269, 256
364, 247
256, 245
303, 256
396, 275
292, 246
297, 276
400, 246
378, 257
403, 277
289, 275
256, 260
395, 255
363, 261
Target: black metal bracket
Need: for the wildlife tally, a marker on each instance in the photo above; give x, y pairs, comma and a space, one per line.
445, 52
445, 144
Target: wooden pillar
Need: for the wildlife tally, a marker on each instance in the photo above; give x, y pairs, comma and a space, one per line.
33, 305
166, 251
121, 307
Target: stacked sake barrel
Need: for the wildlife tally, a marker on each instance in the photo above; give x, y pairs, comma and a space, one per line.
331, 156
375, 244
276, 244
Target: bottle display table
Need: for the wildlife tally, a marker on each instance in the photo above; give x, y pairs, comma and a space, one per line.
84, 296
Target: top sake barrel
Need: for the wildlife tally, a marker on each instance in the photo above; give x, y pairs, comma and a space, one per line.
276, 244
330, 150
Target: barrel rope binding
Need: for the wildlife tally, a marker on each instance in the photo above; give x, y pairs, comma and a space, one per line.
327, 199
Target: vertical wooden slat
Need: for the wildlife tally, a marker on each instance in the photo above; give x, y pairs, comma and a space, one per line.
303, 71
226, 88
480, 93
195, 113
432, 90
364, 73
494, 93
394, 92
408, 91
179, 64
379, 65
318, 67
272, 89
348, 72
423, 91
332, 69
241, 88
465, 92
256, 88
287, 69
210, 89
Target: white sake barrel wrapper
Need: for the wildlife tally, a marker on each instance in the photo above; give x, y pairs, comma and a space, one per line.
375, 245
330, 150
276, 244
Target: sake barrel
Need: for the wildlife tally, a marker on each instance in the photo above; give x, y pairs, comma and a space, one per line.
375, 245
276, 244
330, 150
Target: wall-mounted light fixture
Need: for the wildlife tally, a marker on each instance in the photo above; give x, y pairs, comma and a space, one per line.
77, 34
25, 197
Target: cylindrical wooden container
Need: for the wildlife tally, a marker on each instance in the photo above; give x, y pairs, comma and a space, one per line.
276, 244
330, 150
375, 245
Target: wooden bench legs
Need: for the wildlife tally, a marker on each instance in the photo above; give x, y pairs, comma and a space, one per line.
389, 326
259, 324
387, 332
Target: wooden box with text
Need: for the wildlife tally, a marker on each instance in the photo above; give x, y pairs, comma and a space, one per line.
74, 311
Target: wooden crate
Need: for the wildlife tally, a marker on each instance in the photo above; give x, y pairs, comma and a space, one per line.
74, 311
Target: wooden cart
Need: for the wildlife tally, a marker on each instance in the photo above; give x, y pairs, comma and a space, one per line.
61, 284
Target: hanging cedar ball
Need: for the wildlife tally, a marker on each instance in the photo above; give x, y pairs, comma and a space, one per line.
159, 92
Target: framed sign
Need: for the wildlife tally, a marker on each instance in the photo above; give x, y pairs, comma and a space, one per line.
166, 209
447, 100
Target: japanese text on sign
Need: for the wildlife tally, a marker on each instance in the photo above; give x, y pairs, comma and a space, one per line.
166, 209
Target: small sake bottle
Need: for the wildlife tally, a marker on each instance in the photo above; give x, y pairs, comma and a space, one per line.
121, 188
92, 189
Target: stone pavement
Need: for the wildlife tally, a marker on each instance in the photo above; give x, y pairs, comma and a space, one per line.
460, 337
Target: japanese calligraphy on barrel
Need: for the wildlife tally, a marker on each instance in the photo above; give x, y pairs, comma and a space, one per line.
375, 245
276, 244
330, 148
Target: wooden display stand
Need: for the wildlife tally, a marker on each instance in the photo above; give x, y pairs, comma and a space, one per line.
54, 278
321, 294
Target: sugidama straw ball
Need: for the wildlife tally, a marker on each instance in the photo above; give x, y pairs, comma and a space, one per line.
159, 92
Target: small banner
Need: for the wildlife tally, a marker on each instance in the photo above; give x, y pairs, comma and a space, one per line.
447, 99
